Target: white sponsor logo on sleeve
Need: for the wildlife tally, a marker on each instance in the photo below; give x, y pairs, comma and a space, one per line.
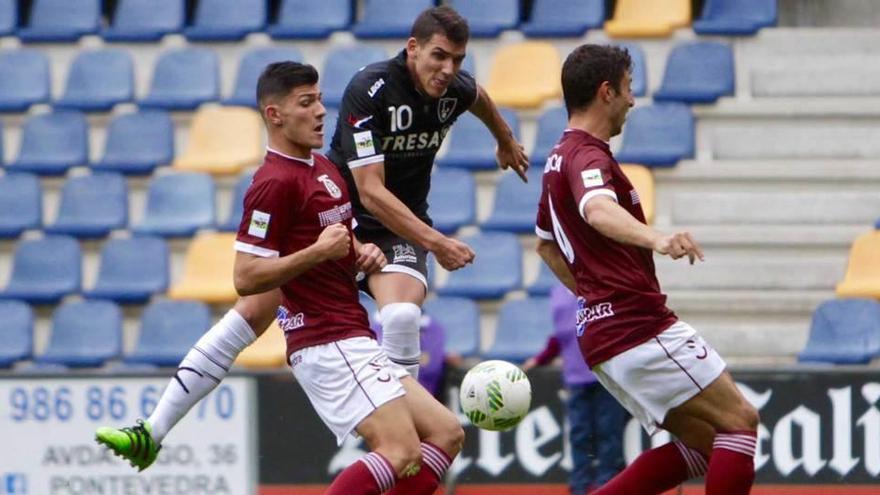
592, 177
259, 224
363, 143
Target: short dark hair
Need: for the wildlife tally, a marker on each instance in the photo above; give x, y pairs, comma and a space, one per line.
587, 67
440, 20
279, 78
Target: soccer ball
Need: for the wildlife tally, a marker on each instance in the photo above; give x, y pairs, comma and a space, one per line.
495, 395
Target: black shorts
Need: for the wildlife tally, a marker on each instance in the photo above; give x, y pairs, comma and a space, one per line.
402, 256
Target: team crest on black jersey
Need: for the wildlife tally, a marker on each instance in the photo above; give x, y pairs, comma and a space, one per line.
445, 108
331, 186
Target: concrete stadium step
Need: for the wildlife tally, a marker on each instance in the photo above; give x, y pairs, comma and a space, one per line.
752, 273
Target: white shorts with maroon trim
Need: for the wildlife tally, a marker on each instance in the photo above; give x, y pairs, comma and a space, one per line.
346, 381
660, 374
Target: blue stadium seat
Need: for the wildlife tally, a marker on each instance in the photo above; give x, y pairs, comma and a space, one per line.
877, 224
522, 331
98, 79
487, 18
53, 142
8, 17
145, 20
92, 206
472, 146
658, 135
389, 18
61, 20
178, 205
697, 72
550, 126
330, 121
562, 18
369, 305
515, 203
735, 17
16, 332
308, 19
341, 64
453, 199
244, 181
183, 79
132, 270
249, 69
21, 204
544, 283
497, 269
226, 20
137, 143
84, 334
639, 68
168, 331
45, 270
844, 331
460, 318
25, 79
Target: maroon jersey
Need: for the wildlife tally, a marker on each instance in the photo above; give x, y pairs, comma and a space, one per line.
286, 207
619, 298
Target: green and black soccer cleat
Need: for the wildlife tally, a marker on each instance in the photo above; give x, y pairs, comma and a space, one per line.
133, 444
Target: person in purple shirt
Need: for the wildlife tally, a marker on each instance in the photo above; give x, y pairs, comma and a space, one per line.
597, 420
432, 337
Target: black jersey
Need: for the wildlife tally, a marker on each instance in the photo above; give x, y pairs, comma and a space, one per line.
383, 118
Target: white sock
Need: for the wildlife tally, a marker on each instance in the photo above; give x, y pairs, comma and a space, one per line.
203, 368
400, 335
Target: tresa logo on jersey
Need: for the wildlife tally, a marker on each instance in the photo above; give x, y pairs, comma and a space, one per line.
586, 314
288, 322
414, 141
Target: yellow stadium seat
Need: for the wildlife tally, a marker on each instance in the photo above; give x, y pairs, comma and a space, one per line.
863, 272
643, 180
269, 351
525, 75
223, 140
648, 18
207, 274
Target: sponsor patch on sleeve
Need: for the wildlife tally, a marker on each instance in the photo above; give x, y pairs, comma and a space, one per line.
363, 143
259, 224
592, 178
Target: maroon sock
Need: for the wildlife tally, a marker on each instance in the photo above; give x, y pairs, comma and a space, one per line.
732, 468
435, 462
656, 471
372, 474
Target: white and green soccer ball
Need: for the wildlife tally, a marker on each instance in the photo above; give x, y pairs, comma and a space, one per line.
495, 395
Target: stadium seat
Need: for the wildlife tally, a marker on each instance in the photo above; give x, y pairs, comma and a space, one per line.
137, 143
658, 135
844, 331
551, 123
249, 69
308, 19
369, 305
53, 142
92, 206
223, 140
498, 269
178, 205
697, 72
21, 204
44, 270
8, 17
84, 334
525, 75
234, 220
460, 318
648, 18
544, 283
563, 18
145, 20
643, 180
735, 17
522, 330
330, 121
168, 331
453, 199
515, 204
183, 79
61, 20
25, 79
268, 351
16, 332
131, 270
863, 270
226, 20
877, 224
389, 18
472, 146
339, 67
207, 271
639, 68
98, 79
488, 18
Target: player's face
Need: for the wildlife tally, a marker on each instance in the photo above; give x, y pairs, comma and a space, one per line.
302, 117
621, 102
436, 63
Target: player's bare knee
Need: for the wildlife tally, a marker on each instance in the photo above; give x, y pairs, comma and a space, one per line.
749, 417
403, 457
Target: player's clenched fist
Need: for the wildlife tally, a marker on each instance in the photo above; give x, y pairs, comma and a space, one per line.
453, 254
678, 245
370, 258
334, 242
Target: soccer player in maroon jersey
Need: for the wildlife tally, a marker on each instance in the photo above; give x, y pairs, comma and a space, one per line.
593, 235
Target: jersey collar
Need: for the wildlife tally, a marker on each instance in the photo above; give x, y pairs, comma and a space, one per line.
310, 161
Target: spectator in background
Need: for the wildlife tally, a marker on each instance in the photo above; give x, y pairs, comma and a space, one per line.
433, 360
596, 419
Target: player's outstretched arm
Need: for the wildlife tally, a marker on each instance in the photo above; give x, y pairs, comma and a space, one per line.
510, 153
549, 252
